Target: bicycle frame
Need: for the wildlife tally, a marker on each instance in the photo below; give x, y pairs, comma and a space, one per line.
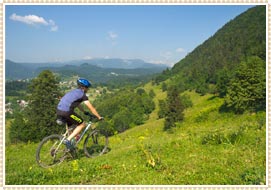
84, 132
81, 136
67, 132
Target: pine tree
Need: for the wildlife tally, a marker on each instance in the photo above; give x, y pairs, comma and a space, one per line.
18, 128
175, 109
41, 111
247, 90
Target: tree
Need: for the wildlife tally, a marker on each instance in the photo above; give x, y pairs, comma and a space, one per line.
223, 80
247, 90
152, 93
41, 111
122, 120
175, 109
18, 129
162, 109
140, 91
164, 86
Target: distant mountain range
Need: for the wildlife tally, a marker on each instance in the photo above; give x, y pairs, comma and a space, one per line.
118, 63
100, 70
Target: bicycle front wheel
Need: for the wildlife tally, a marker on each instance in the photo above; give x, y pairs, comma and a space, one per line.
95, 144
51, 151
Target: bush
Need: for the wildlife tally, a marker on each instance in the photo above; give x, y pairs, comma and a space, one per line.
218, 138
186, 101
106, 128
122, 120
214, 139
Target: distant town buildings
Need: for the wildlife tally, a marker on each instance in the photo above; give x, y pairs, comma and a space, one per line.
8, 106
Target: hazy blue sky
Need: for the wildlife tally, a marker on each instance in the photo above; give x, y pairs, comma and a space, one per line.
153, 33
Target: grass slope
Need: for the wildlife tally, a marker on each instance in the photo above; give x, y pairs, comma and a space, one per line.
208, 148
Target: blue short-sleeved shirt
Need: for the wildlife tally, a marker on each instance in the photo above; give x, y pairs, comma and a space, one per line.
71, 100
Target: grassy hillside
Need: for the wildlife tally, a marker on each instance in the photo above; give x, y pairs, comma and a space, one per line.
208, 147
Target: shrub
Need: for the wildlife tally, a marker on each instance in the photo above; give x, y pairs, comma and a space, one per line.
106, 128
214, 139
217, 138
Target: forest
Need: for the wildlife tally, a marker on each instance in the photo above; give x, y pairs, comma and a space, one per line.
220, 55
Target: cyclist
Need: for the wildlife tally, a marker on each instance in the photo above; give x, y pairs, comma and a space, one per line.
69, 102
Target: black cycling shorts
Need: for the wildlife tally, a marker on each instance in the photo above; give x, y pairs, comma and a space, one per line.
70, 117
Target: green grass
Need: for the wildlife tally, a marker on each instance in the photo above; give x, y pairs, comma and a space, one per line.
208, 147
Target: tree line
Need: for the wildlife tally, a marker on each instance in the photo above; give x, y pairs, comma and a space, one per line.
122, 110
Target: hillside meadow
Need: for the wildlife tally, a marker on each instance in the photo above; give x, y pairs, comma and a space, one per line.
209, 147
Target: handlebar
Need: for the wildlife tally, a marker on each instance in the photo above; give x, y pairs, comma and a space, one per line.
93, 117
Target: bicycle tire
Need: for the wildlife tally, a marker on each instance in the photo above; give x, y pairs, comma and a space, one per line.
46, 155
95, 144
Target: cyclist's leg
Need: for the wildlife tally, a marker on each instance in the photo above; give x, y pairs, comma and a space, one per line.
75, 119
77, 130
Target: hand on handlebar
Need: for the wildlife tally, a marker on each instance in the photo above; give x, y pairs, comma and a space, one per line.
93, 116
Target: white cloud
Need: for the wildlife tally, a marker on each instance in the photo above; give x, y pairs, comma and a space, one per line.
155, 61
29, 19
87, 57
112, 35
164, 62
167, 55
34, 20
180, 50
54, 27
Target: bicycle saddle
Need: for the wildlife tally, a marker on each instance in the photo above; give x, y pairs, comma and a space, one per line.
61, 121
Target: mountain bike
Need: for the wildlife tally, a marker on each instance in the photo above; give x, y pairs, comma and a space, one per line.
52, 151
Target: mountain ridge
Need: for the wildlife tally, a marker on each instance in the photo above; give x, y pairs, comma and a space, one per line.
82, 68
100, 62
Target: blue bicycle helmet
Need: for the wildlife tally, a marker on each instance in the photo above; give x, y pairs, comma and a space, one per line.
84, 83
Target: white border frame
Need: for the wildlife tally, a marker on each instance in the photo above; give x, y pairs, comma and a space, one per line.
132, 2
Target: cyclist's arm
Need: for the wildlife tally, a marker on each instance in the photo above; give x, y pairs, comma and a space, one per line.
92, 109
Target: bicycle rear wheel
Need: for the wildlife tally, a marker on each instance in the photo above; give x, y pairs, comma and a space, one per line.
51, 151
95, 144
